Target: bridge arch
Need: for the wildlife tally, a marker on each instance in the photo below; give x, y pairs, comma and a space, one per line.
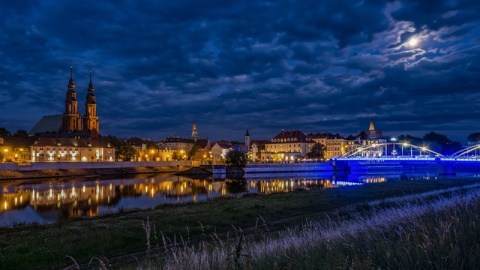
466, 151
369, 148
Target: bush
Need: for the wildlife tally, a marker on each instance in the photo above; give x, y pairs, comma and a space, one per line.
236, 158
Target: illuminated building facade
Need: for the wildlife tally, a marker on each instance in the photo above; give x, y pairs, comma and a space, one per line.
15, 149
287, 146
72, 150
368, 139
335, 145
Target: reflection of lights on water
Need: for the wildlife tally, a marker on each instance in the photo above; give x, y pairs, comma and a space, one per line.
83, 189
110, 186
5, 205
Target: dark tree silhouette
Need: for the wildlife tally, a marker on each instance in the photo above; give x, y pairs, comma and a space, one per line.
317, 151
236, 158
474, 137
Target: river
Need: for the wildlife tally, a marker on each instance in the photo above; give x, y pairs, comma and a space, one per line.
46, 201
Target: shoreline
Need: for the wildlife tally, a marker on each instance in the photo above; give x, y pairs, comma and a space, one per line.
87, 172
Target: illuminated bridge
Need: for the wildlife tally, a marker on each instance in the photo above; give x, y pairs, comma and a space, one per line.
405, 156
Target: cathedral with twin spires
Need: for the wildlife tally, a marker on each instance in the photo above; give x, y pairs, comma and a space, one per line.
72, 122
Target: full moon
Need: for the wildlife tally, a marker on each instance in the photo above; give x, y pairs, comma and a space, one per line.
413, 42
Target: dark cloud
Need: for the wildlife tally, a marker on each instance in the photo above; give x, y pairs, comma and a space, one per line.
317, 66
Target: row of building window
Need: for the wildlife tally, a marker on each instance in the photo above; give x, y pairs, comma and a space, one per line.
285, 140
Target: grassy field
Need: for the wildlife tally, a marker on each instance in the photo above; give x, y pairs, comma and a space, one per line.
122, 239
432, 230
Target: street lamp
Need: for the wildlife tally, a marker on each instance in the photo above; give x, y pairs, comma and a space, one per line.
394, 140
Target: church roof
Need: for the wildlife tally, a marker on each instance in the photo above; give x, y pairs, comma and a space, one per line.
49, 123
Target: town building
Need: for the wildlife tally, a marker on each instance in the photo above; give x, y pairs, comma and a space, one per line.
174, 148
178, 148
287, 146
335, 145
15, 149
371, 141
71, 150
257, 149
220, 150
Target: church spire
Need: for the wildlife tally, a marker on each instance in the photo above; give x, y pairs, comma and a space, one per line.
194, 136
71, 120
372, 127
90, 119
90, 85
71, 83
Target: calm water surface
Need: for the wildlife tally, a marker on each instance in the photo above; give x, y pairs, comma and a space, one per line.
48, 200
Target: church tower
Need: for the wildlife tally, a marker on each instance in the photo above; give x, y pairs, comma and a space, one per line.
194, 136
71, 118
90, 119
247, 139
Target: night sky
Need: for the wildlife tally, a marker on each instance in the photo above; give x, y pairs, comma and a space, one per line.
318, 66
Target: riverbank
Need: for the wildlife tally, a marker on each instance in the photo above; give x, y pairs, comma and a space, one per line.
10, 171
120, 237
